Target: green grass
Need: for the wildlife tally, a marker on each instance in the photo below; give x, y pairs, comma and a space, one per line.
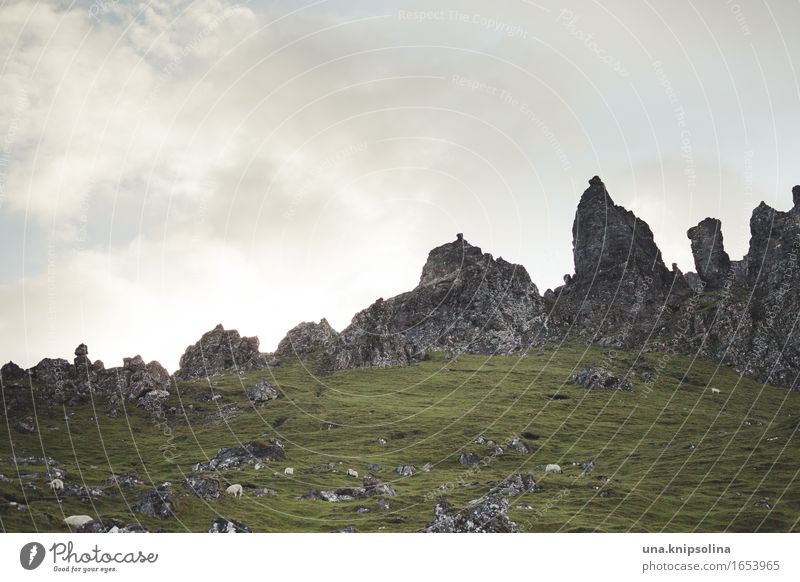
640, 440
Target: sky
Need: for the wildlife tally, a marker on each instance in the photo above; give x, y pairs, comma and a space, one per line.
169, 165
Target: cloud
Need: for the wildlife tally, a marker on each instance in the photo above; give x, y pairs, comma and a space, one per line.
171, 165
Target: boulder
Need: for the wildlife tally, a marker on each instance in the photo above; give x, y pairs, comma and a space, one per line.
469, 459
206, 489
157, 504
406, 470
262, 391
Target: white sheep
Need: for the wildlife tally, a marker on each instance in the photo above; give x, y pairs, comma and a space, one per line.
56, 485
352, 473
77, 521
236, 490
288, 471
552, 468
715, 391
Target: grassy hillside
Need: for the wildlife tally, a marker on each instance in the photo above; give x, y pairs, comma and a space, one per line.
670, 456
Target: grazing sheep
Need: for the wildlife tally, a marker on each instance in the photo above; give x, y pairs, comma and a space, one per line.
352, 473
236, 490
715, 391
552, 468
56, 485
77, 521
288, 471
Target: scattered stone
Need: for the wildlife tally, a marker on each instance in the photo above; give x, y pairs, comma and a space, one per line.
382, 504
363, 510
123, 481
480, 440
382, 441
426, 468
598, 379
488, 515
223, 525
374, 467
763, 503
588, 468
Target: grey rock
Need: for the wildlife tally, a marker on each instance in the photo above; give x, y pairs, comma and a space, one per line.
469, 459
206, 489
262, 391
265, 492
244, 455
598, 379
710, 259
513, 485
763, 503
224, 525
488, 515
518, 446
315, 345
123, 481
406, 470
157, 504
219, 351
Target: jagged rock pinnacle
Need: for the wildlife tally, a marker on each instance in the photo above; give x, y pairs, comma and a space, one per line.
796, 196
596, 182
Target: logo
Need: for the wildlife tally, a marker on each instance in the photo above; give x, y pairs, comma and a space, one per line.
31, 555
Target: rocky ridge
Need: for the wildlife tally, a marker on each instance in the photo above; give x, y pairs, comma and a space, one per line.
742, 313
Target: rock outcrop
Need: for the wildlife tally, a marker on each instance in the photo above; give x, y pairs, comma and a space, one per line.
710, 259
466, 301
144, 384
219, 351
315, 345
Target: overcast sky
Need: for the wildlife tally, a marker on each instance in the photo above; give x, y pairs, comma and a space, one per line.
166, 166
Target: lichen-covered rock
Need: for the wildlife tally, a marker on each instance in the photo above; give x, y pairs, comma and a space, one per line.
487, 515
218, 351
